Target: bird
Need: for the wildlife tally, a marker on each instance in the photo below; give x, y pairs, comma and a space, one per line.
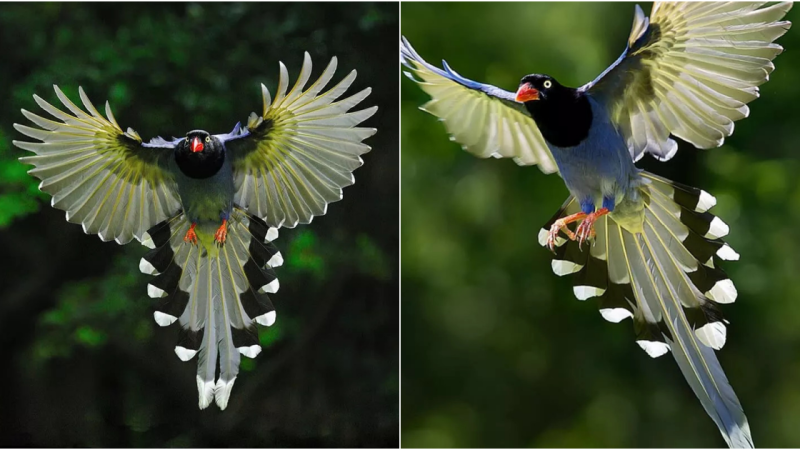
207, 206
647, 248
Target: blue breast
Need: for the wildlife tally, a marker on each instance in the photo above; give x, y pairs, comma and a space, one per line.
600, 165
204, 200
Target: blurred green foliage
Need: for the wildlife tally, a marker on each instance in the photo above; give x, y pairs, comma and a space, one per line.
496, 350
86, 364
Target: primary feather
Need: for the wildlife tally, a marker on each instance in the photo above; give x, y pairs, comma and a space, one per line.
485, 119
105, 179
304, 148
690, 70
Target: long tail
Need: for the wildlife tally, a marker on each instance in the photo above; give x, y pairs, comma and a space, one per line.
216, 295
664, 276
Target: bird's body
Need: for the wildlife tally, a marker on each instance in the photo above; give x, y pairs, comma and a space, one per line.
207, 206
687, 71
205, 185
597, 169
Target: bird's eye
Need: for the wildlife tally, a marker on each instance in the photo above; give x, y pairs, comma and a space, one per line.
208, 138
547, 84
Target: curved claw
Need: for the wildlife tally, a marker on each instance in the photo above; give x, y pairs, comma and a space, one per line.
552, 236
561, 225
585, 231
222, 233
191, 236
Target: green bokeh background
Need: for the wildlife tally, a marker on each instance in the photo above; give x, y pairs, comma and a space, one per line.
84, 364
496, 350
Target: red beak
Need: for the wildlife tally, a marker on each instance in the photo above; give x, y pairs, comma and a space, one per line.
196, 145
527, 93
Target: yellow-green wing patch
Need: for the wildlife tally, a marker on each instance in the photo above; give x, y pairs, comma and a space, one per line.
690, 71
104, 178
302, 150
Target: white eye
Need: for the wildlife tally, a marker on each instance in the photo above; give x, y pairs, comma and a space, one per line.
547, 84
208, 138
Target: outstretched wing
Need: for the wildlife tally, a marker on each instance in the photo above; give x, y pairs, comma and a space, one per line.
484, 119
105, 179
295, 158
690, 70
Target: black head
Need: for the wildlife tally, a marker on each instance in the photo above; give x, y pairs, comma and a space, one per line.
563, 114
199, 155
541, 88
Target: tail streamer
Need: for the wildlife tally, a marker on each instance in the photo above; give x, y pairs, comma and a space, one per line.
216, 294
663, 273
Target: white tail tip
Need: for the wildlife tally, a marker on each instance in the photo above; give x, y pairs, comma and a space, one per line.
205, 389
271, 287
154, 292
146, 268
653, 348
267, 319
184, 353
163, 320
222, 392
251, 351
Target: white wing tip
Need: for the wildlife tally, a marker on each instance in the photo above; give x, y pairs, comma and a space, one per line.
585, 292
163, 320
184, 354
653, 348
271, 287
272, 234
267, 319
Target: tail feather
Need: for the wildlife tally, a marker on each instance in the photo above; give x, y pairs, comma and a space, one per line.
217, 294
188, 343
205, 297
664, 276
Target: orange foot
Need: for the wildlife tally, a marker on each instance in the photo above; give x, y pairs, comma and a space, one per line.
191, 236
585, 230
222, 233
561, 225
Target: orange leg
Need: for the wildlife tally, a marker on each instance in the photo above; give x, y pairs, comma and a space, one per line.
561, 225
191, 236
222, 232
585, 230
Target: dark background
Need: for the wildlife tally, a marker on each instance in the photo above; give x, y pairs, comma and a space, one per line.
84, 364
496, 350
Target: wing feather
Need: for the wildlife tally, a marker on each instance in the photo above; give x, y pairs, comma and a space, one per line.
484, 119
96, 172
690, 70
295, 158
